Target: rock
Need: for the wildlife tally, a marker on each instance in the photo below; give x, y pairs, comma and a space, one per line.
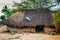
53, 33
3, 28
12, 32
49, 31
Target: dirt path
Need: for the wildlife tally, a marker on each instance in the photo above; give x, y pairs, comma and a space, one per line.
28, 36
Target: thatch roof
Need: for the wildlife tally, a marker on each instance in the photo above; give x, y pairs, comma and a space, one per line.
30, 17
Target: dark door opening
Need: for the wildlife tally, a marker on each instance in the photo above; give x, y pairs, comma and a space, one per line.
39, 28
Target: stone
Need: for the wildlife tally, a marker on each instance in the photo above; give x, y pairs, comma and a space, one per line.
3, 28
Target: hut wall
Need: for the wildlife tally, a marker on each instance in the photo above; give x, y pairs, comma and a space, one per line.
21, 30
47, 29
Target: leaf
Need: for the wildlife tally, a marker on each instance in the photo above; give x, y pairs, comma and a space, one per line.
2, 17
57, 17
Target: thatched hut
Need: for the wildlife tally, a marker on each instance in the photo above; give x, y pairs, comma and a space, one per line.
30, 18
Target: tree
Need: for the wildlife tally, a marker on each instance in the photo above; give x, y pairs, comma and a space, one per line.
2, 17
58, 1
56, 21
27, 4
7, 12
35, 4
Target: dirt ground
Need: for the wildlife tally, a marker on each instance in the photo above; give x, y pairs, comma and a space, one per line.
28, 36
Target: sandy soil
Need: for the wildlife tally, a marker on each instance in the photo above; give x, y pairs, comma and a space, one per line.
28, 36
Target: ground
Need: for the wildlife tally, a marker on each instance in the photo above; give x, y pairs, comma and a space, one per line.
28, 36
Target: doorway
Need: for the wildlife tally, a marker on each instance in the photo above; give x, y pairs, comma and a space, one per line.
39, 28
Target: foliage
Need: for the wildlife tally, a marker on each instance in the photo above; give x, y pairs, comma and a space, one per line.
8, 12
35, 4
2, 17
57, 17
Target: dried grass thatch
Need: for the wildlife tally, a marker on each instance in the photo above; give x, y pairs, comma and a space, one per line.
30, 17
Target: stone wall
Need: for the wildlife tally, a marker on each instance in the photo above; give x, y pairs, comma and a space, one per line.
21, 30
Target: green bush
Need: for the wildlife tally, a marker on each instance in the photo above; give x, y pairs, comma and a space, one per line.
57, 17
